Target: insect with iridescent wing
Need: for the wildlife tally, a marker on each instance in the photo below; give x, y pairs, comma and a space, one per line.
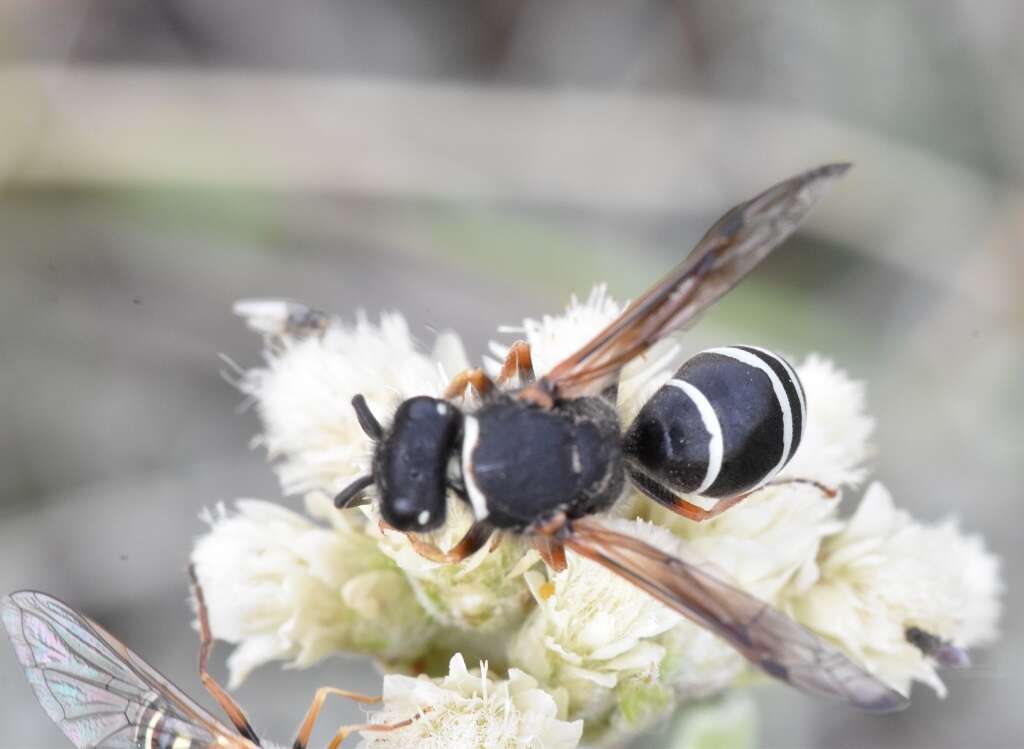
104, 696
541, 459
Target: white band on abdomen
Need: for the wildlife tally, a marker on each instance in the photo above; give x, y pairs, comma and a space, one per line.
801, 396
755, 361
716, 446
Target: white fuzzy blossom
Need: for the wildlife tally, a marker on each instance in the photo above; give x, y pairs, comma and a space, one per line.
582, 644
837, 436
283, 587
884, 573
485, 593
304, 395
596, 635
470, 710
554, 337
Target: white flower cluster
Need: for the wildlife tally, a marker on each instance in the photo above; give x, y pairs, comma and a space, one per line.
304, 394
284, 587
469, 709
581, 644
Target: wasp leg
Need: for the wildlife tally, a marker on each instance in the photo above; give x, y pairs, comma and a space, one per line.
519, 362
664, 496
230, 707
475, 378
611, 393
474, 540
496, 542
345, 731
302, 738
552, 552
829, 491
546, 534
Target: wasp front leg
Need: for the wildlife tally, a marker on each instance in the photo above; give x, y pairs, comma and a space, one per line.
474, 540
474, 378
518, 362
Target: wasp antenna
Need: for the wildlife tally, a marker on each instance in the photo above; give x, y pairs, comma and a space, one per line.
366, 418
347, 496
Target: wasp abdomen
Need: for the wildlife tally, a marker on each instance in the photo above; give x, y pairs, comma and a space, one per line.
729, 420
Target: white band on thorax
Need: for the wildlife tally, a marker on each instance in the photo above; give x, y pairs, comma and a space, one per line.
470, 436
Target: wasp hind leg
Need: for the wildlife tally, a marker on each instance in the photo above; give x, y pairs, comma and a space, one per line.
230, 707
474, 540
830, 492
667, 498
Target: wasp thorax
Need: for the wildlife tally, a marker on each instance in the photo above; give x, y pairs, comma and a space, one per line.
411, 462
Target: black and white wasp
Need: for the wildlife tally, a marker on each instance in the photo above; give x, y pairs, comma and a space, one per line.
104, 696
541, 459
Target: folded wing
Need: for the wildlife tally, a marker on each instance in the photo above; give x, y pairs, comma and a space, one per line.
764, 635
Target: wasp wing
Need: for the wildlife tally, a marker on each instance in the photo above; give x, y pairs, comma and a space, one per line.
763, 634
730, 249
100, 693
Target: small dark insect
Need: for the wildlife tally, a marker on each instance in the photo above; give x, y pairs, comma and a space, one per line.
104, 696
943, 652
277, 317
541, 459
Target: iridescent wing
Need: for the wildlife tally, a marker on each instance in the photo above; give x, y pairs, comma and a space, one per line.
729, 250
100, 693
764, 635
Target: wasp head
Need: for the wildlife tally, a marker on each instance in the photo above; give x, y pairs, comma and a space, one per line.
410, 462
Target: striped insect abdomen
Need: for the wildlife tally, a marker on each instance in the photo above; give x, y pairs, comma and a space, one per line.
728, 421
156, 727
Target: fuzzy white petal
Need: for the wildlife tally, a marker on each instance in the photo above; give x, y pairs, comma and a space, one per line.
485, 593
552, 338
304, 395
597, 635
883, 572
836, 441
282, 587
472, 710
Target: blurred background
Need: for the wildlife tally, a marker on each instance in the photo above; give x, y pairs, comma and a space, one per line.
469, 164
